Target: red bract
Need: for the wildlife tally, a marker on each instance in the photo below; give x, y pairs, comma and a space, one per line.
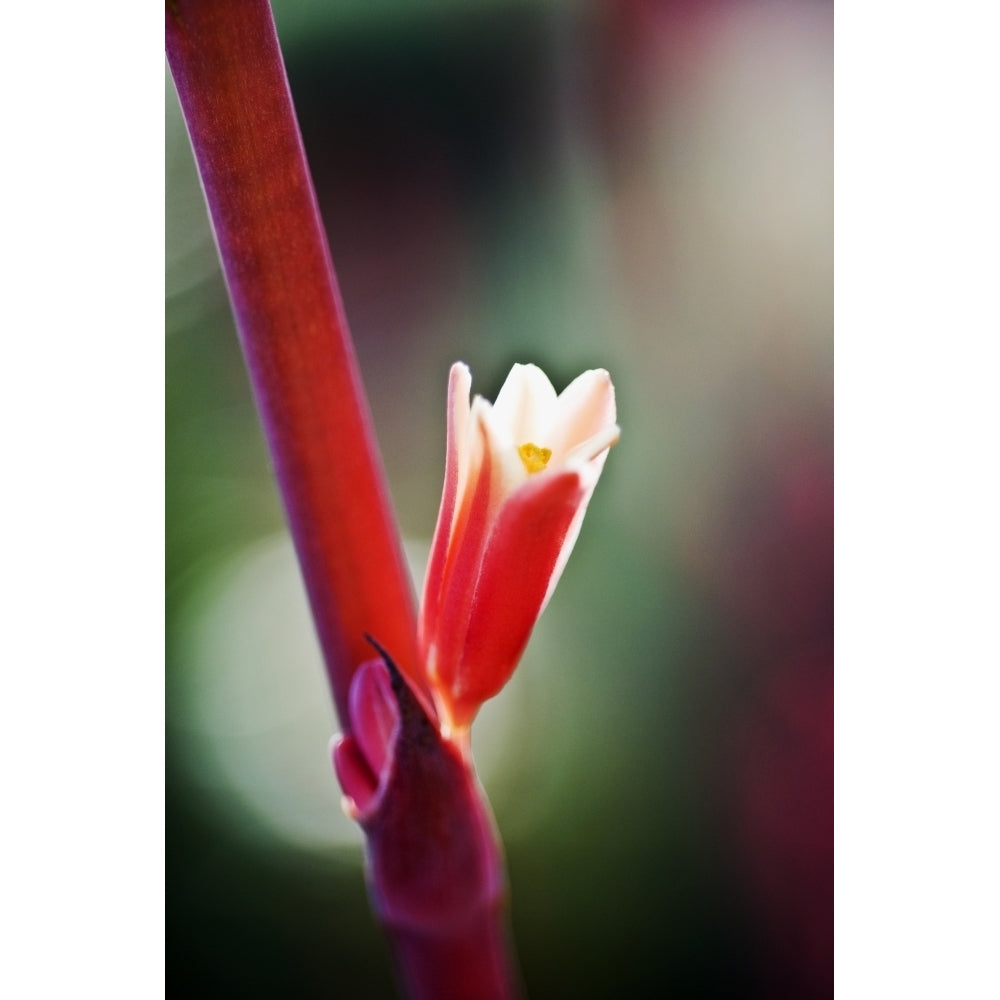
363, 758
435, 873
518, 477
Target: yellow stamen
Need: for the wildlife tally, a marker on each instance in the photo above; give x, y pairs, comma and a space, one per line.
535, 459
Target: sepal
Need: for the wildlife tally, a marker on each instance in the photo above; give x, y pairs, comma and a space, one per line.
433, 861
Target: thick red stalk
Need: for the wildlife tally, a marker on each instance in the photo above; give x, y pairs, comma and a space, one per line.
435, 870
230, 77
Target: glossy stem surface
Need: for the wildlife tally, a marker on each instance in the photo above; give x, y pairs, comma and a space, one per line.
230, 78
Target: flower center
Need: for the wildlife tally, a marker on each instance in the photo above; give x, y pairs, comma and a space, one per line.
535, 459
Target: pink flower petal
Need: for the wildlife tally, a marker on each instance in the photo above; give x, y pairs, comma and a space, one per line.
588, 480
585, 408
507, 524
525, 547
595, 448
459, 385
462, 569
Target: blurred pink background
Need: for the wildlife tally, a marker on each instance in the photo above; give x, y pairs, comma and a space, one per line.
640, 186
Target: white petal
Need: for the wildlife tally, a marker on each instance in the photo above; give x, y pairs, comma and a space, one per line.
526, 404
459, 387
587, 451
508, 468
585, 408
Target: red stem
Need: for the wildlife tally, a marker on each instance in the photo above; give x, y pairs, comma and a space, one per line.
231, 81
434, 861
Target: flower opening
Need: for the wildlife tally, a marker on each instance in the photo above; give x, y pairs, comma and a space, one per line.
534, 458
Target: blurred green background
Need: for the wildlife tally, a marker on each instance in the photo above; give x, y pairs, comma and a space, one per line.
640, 186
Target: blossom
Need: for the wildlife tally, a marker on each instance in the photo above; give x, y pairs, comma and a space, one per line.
518, 477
